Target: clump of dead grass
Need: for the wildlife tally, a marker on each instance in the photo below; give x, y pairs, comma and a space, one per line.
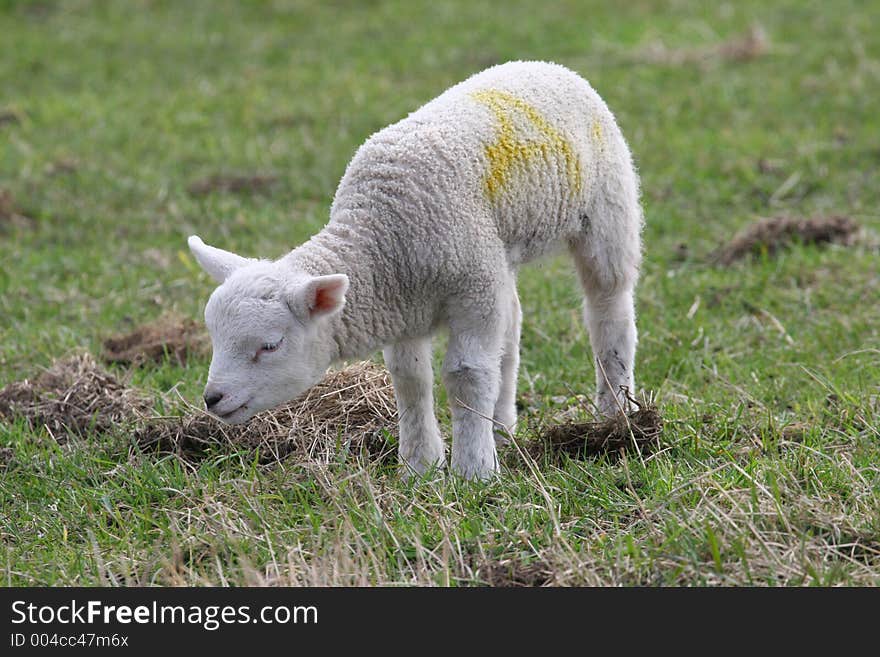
637, 431
773, 234
352, 411
233, 183
75, 395
752, 44
170, 336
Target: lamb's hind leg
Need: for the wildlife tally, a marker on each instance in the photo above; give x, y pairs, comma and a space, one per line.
610, 320
608, 271
409, 363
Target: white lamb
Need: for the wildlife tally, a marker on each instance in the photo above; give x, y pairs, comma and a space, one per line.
430, 223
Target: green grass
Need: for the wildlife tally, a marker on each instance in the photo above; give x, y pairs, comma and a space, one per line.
121, 105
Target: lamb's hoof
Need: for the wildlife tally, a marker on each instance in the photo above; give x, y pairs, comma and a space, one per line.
417, 471
609, 407
476, 471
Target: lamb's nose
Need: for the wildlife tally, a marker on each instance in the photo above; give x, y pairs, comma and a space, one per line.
212, 399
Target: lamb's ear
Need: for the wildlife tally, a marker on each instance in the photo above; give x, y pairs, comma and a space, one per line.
217, 262
319, 297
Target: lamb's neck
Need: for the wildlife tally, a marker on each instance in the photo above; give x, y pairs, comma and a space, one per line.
355, 332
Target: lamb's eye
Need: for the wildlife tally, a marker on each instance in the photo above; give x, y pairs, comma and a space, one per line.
271, 346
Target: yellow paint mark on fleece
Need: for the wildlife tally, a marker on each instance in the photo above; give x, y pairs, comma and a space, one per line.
597, 132
508, 152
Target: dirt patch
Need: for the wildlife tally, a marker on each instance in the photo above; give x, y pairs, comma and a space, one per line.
74, 395
752, 44
170, 336
637, 431
9, 212
350, 411
515, 573
233, 184
774, 234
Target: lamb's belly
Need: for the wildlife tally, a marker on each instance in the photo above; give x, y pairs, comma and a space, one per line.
537, 221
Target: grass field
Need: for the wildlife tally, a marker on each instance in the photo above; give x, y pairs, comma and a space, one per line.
767, 372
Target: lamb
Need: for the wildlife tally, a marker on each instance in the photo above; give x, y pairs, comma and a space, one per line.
429, 225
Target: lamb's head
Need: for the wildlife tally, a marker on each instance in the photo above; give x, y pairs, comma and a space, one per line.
269, 331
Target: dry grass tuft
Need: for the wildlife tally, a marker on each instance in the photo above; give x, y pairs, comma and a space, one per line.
772, 235
351, 411
74, 395
169, 336
637, 431
233, 183
741, 48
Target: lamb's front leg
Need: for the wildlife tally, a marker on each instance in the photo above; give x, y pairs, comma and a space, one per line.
471, 372
505, 407
409, 363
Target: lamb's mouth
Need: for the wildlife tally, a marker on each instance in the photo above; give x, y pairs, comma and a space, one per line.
230, 417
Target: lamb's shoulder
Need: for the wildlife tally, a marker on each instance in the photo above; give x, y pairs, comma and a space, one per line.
424, 160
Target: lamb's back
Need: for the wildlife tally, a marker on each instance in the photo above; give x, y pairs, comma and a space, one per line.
509, 158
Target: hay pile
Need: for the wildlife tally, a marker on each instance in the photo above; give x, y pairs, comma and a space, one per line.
638, 431
169, 336
351, 411
772, 235
74, 395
